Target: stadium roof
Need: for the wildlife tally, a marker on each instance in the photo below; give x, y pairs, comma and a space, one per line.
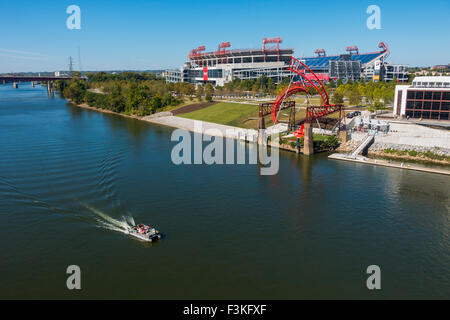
322, 63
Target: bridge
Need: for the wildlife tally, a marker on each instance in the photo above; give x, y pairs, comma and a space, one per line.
8, 79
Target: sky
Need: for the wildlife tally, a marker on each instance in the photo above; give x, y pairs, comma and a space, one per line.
147, 34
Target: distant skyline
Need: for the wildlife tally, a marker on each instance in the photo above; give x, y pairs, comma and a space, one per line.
143, 35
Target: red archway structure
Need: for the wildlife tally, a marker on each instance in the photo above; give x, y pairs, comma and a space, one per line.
309, 80
302, 70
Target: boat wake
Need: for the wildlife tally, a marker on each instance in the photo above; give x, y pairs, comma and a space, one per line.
105, 221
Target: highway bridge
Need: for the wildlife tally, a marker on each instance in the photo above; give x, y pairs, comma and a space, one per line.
16, 79
12, 78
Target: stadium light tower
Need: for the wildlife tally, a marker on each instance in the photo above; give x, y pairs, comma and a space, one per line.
196, 55
222, 50
353, 50
276, 41
321, 52
199, 54
383, 46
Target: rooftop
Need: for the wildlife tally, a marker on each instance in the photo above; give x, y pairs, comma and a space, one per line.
431, 82
432, 79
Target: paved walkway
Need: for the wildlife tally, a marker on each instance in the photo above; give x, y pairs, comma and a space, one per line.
369, 138
209, 128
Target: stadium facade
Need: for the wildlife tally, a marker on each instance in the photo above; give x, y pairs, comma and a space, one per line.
225, 65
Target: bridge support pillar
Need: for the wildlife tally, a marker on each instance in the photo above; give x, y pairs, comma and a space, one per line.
308, 147
50, 87
15, 85
343, 136
261, 130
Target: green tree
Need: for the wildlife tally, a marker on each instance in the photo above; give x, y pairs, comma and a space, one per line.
167, 99
155, 104
338, 97
332, 84
271, 88
209, 89
354, 96
199, 93
75, 91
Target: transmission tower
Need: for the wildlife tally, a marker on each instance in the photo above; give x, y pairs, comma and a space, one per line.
79, 60
70, 67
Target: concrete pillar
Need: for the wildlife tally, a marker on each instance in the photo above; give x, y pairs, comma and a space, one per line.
15, 85
343, 136
308, 147
261, 123
262, 139
261, 131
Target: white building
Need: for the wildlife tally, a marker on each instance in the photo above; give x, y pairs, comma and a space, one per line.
426, 98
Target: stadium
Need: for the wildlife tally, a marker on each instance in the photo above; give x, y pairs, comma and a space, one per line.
224, 65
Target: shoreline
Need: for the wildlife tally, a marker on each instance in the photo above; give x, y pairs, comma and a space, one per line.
86, 106
386, 163
178, 123
187, 124
388, 156
241, 134
422, 160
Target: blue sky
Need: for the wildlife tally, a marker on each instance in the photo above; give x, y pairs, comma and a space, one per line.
120, 34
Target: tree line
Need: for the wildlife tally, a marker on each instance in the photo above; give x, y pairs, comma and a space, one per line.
142, 94
130, 93
377, 94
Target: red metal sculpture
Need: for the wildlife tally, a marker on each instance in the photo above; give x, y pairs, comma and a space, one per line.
307, 82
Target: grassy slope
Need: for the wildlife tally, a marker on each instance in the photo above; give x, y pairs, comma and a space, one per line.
237, 115
232, 114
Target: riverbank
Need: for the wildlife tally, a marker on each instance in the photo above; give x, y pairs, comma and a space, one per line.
86, 106
167, 119
203, 127
387, 163
401, 152
250, 135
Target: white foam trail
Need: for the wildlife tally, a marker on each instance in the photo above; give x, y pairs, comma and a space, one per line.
130, 220
108, 222
104, 225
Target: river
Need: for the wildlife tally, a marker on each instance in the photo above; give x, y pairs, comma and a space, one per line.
71, 177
